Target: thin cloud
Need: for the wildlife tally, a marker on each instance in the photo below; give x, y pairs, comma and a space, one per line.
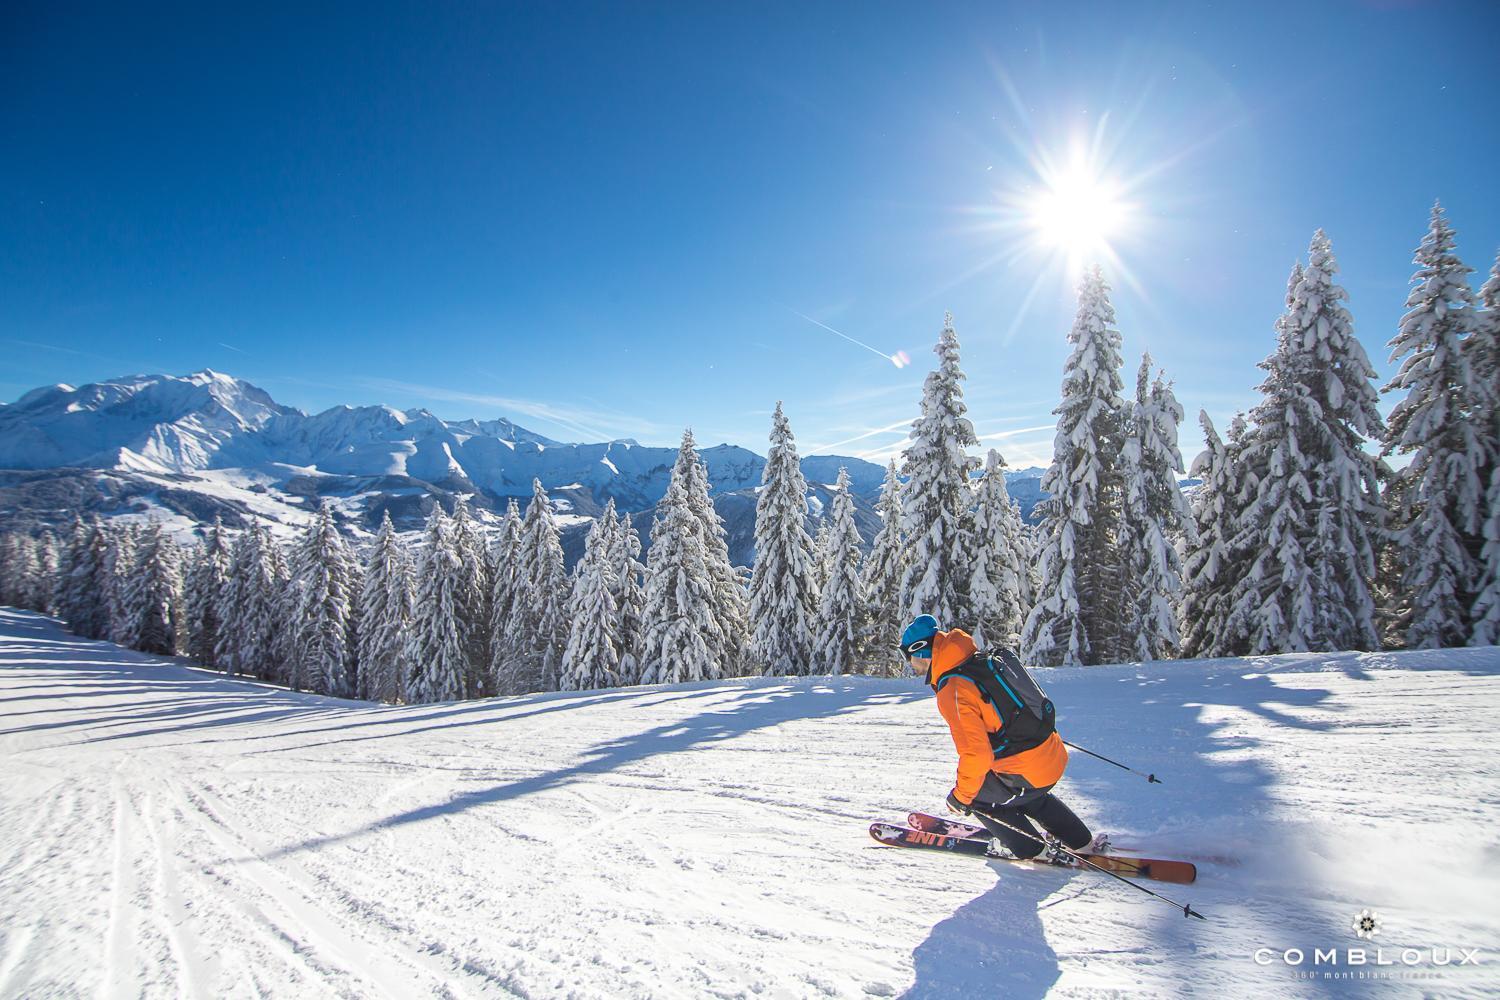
1020, 456
851, 396
123, 366
882, 454
901, 425
53, 347
588, 425
1019, 452
131, 367
1002, 435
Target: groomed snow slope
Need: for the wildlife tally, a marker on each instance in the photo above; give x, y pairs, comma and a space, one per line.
168, 833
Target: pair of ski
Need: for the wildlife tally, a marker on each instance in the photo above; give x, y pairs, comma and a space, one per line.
933, 833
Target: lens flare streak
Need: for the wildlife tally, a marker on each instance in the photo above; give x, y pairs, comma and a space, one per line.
899, 359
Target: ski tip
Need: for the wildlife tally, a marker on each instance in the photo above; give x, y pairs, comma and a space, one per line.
1181, 872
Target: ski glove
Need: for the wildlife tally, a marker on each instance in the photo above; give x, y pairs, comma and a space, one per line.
956, 805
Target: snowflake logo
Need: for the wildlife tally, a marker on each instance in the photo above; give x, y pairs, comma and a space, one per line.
1366, 924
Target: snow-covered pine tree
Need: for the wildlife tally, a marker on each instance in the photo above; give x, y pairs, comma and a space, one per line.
822, 546
503, 588
385, 614
285, 600
1273, 603
937, 517
435, 660
153, 594
1319, 407
40, 582
81, 581
630, 594
474, 597
538, 623
36, 583
119, 565
1342, 380
17, 569
187, 629
326, 644
1034, 546
1155, 513
1215, 562
234, 606
41, 594
9, 576
207, 576
1483, 351
1392, 601
783, 586
1442, 518
998, 585
84, 593
32, 590
727, 589
1026, 551
1486, 611
250, 610
124, 611
885, 568
592, 656
1323, 560
1078, 617
680, 636
843, 609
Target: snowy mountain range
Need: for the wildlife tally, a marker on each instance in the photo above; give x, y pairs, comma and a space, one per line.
207, 445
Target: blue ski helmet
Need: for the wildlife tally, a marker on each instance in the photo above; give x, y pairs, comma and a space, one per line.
916, 640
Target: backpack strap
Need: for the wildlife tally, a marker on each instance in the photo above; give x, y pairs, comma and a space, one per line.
976, 670
1021, 728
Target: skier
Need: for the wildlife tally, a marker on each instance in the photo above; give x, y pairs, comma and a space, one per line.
1009, 753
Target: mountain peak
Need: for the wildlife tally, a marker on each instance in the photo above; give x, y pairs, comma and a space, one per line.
207, 421
166, 422
42, 392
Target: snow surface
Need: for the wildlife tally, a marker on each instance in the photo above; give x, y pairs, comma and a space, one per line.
166, 832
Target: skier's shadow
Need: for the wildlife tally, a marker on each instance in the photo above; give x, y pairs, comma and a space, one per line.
995, 944
757, 704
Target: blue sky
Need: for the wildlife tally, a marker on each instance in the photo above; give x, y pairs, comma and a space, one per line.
614, 220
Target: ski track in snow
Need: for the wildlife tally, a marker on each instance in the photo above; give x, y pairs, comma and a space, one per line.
166, 832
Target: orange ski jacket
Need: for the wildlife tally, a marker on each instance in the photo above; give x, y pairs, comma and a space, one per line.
971, 720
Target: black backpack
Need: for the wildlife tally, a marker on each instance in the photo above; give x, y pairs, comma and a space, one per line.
1027, 716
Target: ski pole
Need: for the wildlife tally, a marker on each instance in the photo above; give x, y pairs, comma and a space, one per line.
1150, 778
1186, 908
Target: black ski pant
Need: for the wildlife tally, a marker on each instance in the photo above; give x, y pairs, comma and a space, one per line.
1007, 807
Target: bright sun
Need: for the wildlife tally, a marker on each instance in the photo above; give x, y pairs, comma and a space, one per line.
1077, 213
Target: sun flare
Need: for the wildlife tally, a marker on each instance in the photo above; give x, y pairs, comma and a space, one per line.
1078, 213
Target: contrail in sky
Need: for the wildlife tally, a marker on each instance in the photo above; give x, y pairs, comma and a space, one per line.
899, 359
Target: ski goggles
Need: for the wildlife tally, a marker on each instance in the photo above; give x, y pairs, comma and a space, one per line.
910, 649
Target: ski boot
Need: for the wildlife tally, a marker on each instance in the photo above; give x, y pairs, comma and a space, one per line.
1054, 853
1000, 851
1057, 853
